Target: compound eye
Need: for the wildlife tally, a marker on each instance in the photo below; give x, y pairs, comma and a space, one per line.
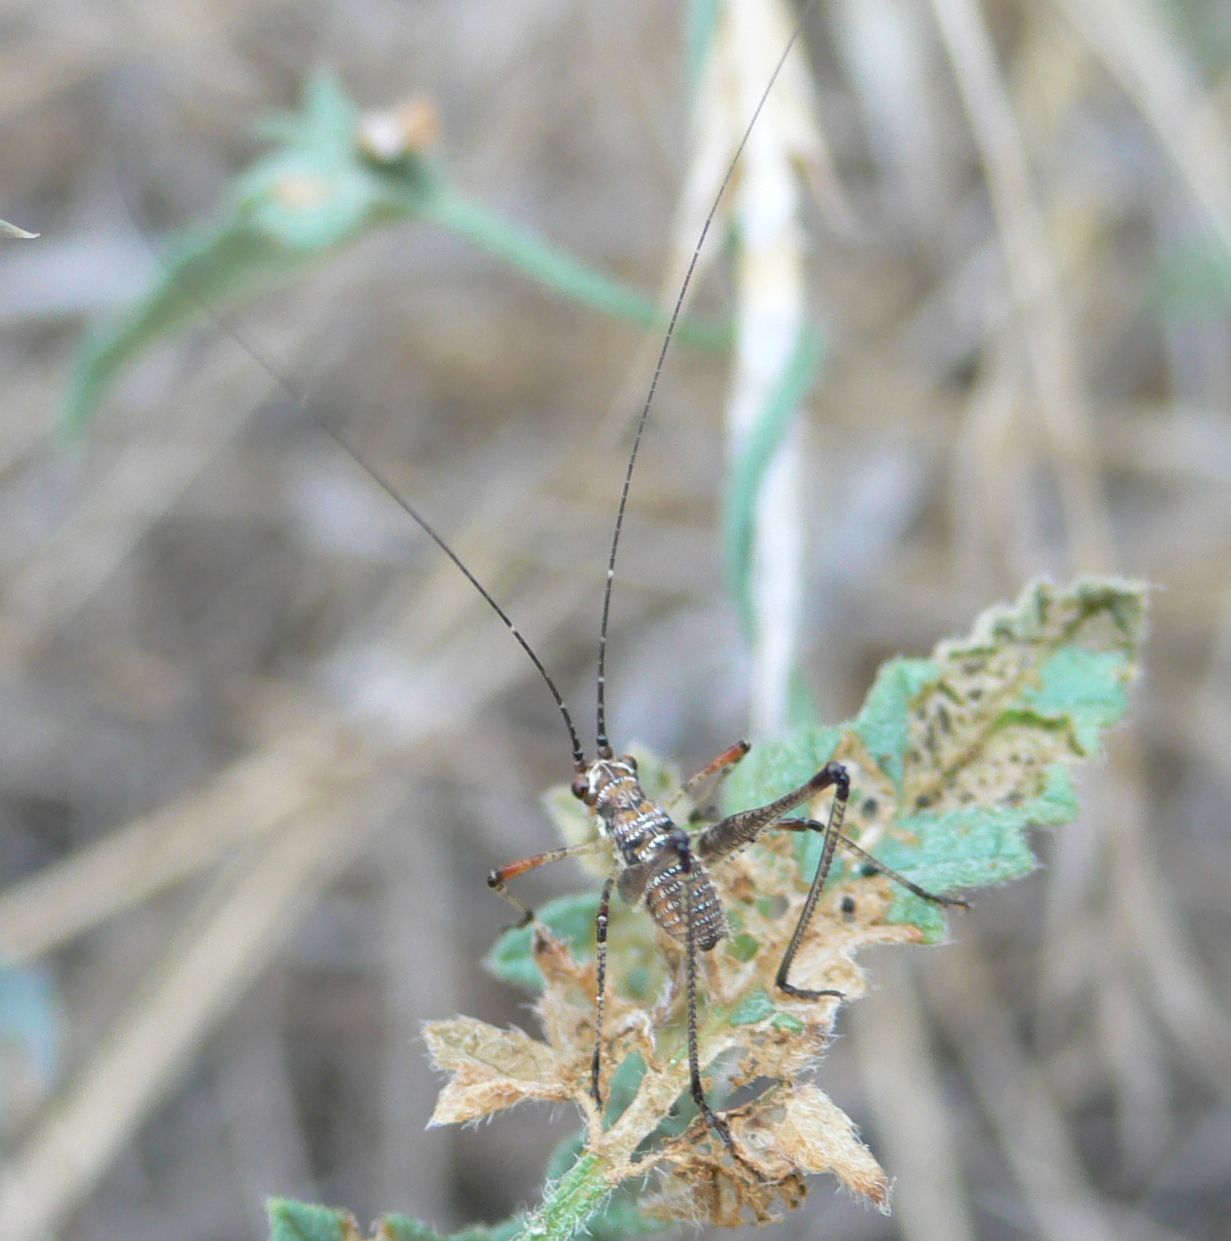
581, 788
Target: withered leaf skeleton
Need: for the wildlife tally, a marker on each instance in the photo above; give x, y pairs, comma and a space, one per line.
655, 861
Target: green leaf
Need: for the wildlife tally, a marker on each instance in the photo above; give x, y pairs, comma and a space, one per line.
316, 192
884, 723
971, 848
311, 195
757, 454
956, 757
572, 279
1083, 689
203, 269
570, 918
403, 1228
755, 1008
623, 1086
326, 122
303, 1221
12, 231
743, 947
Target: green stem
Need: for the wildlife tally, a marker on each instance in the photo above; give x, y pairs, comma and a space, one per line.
748, 471
552, 267
571, 1202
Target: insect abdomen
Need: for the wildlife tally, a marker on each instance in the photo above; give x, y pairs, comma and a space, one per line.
665, 898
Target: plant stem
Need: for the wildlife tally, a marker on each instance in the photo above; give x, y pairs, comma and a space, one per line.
571, 1202
556, 269
777, 352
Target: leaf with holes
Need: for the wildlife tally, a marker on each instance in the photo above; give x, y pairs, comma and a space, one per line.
953, 759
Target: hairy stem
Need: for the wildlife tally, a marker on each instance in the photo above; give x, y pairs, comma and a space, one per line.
571, 1202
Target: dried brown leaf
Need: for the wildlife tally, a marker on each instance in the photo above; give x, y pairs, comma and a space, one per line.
803, 1131
492, 1069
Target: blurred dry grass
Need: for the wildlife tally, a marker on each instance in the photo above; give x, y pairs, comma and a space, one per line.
259, 745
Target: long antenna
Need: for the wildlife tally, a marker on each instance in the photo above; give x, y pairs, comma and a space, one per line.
604, 745
364, 462
579, 758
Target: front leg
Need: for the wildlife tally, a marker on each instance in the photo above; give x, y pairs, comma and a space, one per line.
498, 879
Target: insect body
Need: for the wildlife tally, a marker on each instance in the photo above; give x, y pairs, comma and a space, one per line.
654, 854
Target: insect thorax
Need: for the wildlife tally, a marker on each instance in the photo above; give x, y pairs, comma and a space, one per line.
656, 851
636, 825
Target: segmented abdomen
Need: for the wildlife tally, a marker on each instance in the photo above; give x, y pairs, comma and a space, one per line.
665, 898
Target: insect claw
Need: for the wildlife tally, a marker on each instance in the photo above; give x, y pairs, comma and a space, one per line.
520, 925
722, 1127
803, 993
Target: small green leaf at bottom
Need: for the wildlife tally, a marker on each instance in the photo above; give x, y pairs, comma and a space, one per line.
304, 1221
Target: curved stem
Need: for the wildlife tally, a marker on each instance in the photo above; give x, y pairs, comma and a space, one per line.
553, 267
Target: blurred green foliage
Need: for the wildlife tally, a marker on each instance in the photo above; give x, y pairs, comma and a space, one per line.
319, 189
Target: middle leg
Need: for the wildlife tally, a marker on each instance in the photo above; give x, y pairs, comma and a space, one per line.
600, 998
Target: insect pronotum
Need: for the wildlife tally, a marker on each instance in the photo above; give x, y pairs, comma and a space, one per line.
655, 861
